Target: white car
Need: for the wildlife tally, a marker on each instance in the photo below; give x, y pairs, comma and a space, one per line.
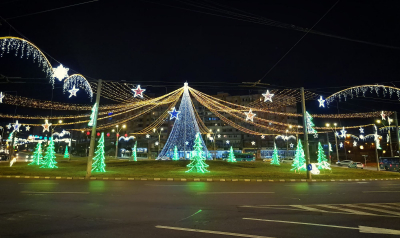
287, 160
344, 162
356, 165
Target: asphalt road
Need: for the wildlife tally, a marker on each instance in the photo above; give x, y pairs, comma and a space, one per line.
80, 208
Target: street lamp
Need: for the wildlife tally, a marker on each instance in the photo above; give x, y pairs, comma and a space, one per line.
116, 138
159, 137
334, 134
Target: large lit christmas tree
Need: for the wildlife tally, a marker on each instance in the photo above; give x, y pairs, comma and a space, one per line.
299, 161
98, 164
231, 156
322, 161
185, 129
176, 156
197, 163
134, 154
275, 157
310, 124
49, 159
66, 154
37, 155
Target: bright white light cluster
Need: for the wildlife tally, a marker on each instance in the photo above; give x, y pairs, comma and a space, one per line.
184, 131
126, 138
60, 72
77, 81
285, 138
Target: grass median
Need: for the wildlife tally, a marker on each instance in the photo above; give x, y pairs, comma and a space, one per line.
176, 169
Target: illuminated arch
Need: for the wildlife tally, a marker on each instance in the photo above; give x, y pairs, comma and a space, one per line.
78, 80
24, 47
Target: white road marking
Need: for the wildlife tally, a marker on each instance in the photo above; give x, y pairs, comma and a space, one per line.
381, 191
373, 209
376, 230
386, 206
302, 223
37, 183
308, 208
171, 185
347, 210
57, 192
211, 232
234, 192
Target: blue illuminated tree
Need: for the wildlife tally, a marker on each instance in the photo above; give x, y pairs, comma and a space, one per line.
185, 129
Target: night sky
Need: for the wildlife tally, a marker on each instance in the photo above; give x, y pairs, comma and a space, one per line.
145, 42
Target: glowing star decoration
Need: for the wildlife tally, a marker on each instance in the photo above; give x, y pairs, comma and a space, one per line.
253, 143
361, 130
355, 143
60, 72
27, 127
1, 97
315, 135
219, 136
46, 126
362, 137
187, 143
337, 134
343, 131
9, 126
211, 138
291, 145
268, 96
250, 115
73, 91
227, 142
262, 137
383, 115
174, 114
147, 136
16, 126
341, 145
321, 102
138, 91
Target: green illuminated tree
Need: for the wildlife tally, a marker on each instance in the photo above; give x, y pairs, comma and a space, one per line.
176, 156
322, 161
197, 164
275, 158
231, 156
310, 124
66, 154
299, 161
99, 165
134, 155
37, 155
92, 116
49, 158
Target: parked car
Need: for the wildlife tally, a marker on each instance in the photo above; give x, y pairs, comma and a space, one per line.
389, 163
344, 162
356, 165
267, 160
287, 160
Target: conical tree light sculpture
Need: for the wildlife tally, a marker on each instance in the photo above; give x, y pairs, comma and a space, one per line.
49, 159
66, 154
299, 161
134, 152
37, 155
99, 164
176, 156
275, 157
322, 161
231, 156
197, 163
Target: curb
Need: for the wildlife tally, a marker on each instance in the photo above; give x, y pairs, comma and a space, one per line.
197, 179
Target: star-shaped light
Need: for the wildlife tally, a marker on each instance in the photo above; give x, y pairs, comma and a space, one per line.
138, 91
187, 142
263, 137
9, 126
343, 131
56, 140
361, 130
355, 143
253, 143
174, 113
1, 97
227, 142
73, 91
147, 136
268, 96
250, 115
211, 138
46, 126
219, 136
341, 145
383, 115
315, 135
291, 145
336, 133
321, 102
27, 127
362, 137
16, 126
60, 72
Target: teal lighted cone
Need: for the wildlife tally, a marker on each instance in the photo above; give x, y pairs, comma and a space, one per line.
66, 154
299, 161
98, 164
134, 149
176, 156
37, 155
49, 158
197, 163
275, 158
231, 156
322, 161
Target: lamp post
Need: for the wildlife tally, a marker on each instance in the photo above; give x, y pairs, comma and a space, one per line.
159, 137
212, 136
389, 134
334, 133
116, 138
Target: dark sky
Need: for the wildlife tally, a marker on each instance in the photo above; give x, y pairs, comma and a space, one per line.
142, 41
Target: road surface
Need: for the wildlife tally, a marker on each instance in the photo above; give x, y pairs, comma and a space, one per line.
80, 208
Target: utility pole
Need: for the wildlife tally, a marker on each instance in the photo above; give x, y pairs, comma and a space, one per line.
93, 136
329, 151
306, 151
396, 123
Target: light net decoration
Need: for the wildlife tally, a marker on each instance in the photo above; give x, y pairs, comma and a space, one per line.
184, 131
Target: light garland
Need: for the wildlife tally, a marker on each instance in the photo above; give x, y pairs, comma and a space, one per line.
77, 80
1, 97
